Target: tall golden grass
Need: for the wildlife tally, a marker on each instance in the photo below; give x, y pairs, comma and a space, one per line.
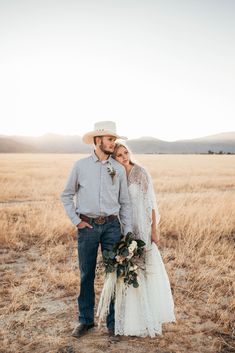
40, 279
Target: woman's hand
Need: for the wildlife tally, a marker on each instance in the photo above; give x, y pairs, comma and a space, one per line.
155, 236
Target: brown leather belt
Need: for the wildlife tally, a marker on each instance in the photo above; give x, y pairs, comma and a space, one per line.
98, 220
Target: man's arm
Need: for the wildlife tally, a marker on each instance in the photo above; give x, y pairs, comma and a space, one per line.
68, 193
125, 210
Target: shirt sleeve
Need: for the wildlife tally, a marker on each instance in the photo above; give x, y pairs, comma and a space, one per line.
125, 205
67, 196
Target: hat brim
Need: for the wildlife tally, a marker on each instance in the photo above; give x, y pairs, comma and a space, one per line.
88, 138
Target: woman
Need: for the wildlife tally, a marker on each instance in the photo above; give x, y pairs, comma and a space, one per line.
141, 311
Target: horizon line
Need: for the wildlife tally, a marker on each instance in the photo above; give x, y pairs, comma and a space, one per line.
129, 139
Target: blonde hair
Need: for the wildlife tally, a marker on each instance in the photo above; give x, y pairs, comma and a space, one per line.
116, 148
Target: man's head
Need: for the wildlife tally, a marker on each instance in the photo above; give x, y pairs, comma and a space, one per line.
102, 129
105, 144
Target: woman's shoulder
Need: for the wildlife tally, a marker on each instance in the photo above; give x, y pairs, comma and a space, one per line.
139, 174
140, 170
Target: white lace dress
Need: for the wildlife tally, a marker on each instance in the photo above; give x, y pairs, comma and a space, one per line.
141, 311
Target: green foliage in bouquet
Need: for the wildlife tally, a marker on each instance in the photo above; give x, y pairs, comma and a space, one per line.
126, 257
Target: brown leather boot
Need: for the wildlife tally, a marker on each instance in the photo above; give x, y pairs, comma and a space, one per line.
81, 330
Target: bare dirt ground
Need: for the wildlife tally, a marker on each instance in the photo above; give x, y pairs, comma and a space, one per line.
39, 270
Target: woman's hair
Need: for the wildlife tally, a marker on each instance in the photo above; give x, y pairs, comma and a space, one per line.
117, 146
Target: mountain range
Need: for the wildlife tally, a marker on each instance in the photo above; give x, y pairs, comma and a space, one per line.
53, 143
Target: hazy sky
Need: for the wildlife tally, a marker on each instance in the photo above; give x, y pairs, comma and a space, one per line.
163, 68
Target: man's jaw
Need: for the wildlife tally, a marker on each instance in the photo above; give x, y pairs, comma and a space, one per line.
107, 152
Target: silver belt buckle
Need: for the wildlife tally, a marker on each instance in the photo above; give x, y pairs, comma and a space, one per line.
100, 220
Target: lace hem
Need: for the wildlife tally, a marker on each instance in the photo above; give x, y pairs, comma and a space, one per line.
152, 332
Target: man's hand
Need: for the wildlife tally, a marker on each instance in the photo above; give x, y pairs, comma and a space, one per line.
83, 224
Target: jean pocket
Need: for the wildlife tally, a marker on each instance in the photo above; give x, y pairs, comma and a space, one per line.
84, 232
116, 221
80, 233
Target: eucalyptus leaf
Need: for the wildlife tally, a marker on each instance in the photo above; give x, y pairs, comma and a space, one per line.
140, 242
125, 252
106, 253
135, 284
112, 254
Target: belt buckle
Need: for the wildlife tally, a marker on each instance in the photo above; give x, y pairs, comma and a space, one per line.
100, 220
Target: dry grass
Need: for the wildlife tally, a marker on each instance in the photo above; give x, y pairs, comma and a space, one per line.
40, 279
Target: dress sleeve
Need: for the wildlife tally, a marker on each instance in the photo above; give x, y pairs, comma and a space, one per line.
151, 197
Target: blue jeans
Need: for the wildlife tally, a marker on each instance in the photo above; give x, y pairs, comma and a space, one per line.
88, 243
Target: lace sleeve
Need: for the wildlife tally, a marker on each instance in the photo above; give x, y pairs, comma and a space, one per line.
151, 196
142, 178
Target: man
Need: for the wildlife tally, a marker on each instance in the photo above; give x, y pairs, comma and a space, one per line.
102, 203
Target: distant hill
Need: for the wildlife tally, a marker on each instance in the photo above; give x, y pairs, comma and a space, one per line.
9, 145
224, 136
221, 142
52, 143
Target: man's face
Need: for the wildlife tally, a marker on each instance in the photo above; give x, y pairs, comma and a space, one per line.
107, 144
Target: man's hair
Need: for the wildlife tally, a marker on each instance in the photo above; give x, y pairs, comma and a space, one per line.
94, 139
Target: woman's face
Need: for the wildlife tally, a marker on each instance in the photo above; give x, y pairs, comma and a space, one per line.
122, 156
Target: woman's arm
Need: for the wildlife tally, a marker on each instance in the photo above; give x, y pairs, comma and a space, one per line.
155, 234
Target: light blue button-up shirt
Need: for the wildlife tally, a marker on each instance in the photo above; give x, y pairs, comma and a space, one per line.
96, 193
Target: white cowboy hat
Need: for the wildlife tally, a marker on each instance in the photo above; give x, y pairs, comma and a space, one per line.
102, 128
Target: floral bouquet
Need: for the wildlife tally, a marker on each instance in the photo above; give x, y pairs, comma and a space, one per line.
126, 257
111, 171
122, 264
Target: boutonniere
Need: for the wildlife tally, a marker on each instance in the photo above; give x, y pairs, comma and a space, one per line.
111, 171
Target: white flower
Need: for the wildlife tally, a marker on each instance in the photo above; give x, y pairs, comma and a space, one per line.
130, 255
120, 259
111, 171
133, 268
132, 246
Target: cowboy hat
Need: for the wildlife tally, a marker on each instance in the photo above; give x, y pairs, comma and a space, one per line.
102, 128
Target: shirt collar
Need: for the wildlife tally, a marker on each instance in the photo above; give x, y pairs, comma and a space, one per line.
94, 156
96, 159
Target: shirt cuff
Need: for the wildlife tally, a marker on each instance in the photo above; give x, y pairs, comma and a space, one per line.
76, 220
